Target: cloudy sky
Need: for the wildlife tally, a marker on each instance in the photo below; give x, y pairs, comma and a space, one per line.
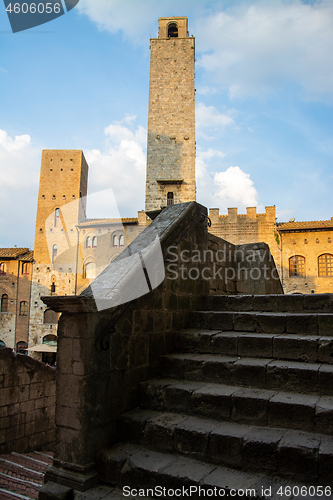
264, 81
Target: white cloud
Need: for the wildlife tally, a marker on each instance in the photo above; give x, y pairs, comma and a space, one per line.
257, 49
235, 188
229, 188
20, 164
120, 166
208, 118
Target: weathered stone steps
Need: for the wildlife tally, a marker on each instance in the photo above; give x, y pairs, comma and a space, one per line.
285, 452
296, 347
318, 303
242, 405
138, 467
264, 373
264, 322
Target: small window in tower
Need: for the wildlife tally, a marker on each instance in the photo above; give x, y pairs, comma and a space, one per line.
88, 242
173, 30
54, 253
53, 197
170, 198
3, 269
94, 242
4, 303
25, 268
56, 216
24, 308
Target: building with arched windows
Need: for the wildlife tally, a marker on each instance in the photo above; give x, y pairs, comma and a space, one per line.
15, 290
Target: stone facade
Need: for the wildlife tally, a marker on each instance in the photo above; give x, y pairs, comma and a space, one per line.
171, 117
15, 284
61, 205
27, 404
307, 253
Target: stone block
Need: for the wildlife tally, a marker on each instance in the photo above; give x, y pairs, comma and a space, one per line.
245, 322
292, 410
255, 345
191, 436
325, 380
217, 369
159, 431
271, 323
297, 455
325, 324
325, 350
292, 376
220, 321
54, 491
324, 416
265, 302
302, 323
250, 372
260, 448
213, 401
225, 343
225, 443
295, 348
178, 395
250, 406
325, 460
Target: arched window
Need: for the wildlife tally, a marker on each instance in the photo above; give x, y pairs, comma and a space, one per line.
4, 303
21, 347
325, 265
88, 242
94, 242
173, 30
90, 270
25, 268
54, 253
297, 266
56, 216
170, 199
23, 308
121, 240
50, 316
50, 340
115, 241
3, 269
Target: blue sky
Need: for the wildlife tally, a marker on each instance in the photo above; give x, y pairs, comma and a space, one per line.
264, 80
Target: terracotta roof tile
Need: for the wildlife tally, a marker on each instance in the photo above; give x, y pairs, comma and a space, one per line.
13, 252
308, 224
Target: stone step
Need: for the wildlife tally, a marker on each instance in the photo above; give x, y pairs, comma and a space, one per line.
264, 322
301, 455
306, 348
240, 404
277, 303
263, 373
140, 468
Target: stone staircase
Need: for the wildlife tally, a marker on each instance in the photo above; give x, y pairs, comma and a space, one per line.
22, 475
245, 403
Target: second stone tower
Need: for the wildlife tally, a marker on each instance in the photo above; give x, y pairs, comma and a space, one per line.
171, 116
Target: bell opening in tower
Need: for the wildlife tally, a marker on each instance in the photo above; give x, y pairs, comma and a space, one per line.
173, 30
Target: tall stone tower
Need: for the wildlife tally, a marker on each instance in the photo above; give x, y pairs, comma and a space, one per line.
171, 116
61, 205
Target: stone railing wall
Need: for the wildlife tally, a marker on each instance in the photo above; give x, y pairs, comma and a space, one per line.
27, 403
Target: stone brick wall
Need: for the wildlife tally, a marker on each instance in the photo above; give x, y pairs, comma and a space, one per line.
27, 403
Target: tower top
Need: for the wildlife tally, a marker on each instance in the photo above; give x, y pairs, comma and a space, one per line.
172, 27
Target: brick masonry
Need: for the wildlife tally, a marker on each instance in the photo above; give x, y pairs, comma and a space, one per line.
27, 403
171, 118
